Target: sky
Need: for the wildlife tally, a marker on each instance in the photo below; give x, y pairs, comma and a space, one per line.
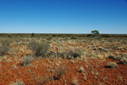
63, 16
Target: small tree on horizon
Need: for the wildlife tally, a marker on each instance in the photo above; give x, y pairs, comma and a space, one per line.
95, 32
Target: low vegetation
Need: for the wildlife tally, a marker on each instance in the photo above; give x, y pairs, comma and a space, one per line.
63, 59
123, 60
81, 69
19, 82
39, 48
114, 57
59, 72
27, 60
4, 47
111, 65
75, 81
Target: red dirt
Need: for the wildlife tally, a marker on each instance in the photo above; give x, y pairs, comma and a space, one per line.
41, 70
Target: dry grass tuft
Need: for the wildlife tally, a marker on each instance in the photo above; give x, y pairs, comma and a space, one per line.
123, 60
19, 82
111, 65
4, 47
74, 81
26, 60
39, 48
59, 72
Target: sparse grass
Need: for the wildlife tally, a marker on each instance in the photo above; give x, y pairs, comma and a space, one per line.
57, 74
94, 56
70, 47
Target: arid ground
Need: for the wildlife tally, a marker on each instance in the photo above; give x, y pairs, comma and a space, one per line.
54, 60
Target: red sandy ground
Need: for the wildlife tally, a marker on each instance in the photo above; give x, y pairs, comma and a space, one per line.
41, 69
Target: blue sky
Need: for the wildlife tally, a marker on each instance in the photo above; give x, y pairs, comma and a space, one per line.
63, 16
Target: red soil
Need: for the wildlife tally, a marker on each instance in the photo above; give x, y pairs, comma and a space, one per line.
40, 71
